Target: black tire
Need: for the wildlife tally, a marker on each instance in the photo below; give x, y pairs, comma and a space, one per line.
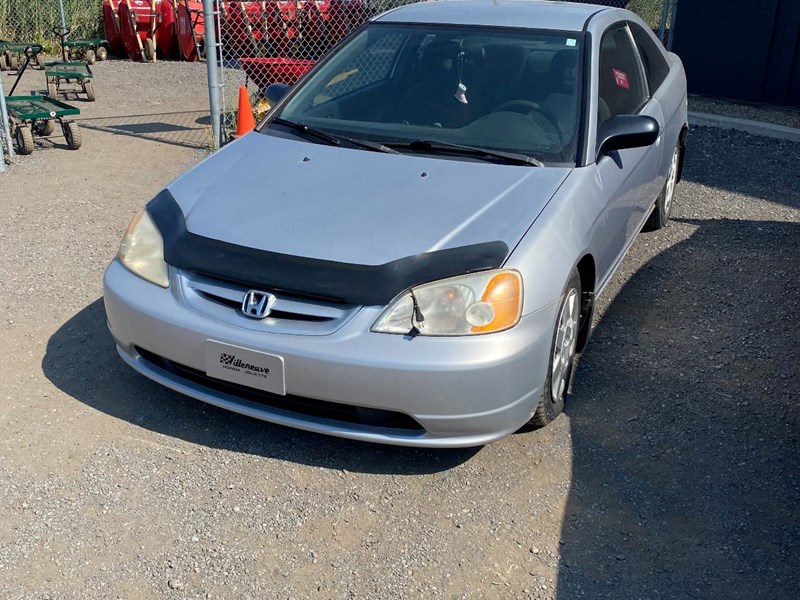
44, 128
52, 89
72, 134
24, 139
88, 87
102, 53
90, 56
552, 404
666, 199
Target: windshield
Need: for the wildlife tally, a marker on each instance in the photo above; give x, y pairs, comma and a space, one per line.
489, 88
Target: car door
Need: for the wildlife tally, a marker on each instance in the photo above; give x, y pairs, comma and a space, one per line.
628, 178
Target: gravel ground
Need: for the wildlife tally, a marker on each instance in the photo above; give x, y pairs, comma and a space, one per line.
673, 473
788, 117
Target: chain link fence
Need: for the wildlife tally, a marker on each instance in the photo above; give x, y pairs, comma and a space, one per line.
264, 42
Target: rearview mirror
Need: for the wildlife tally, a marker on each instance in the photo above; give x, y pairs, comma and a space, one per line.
626, 131
275, 92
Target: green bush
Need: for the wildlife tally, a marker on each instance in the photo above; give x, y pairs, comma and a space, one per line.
33, 20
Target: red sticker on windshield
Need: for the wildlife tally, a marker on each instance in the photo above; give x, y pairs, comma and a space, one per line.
621, 78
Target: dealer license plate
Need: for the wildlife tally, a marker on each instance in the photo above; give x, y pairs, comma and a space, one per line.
246, 367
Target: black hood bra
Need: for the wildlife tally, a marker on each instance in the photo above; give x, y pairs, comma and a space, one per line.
371, 285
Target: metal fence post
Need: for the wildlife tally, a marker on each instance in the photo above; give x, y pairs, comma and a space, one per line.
6, 131
672, 24
211, 68
63, 19
662, 28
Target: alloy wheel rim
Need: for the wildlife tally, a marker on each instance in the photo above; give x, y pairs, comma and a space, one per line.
564, 347
673, 172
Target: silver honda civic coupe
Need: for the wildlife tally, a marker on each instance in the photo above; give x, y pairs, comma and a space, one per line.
409, 248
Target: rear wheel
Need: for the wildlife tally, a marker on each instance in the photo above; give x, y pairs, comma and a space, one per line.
4, 63
44, 128
41, 60
72, 134
88, 87
52, 89
663, 208
102, 53
562, 354
90, 56
13, 61
24, 137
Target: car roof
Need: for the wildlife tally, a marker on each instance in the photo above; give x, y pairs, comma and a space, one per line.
534, 14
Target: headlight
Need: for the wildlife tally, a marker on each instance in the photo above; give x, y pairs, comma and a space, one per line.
478, 303
142, 250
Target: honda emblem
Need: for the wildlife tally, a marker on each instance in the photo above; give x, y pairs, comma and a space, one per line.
257, 305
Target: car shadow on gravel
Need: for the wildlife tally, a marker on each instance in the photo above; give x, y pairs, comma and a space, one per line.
81, 361
685, 417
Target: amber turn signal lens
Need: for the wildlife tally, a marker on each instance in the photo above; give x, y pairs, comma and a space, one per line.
504, 294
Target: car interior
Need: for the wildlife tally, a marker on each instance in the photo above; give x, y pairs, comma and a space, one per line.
515, 91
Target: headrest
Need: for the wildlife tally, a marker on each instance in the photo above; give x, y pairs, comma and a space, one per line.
506, 60
563, 60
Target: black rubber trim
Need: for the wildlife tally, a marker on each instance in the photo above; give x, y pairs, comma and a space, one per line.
370, 285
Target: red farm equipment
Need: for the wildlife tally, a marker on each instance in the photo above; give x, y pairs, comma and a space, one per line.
191, 29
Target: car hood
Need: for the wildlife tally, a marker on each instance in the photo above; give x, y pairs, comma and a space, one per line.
354, 206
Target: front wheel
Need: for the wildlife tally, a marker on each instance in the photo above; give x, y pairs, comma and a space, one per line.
24, 138
663, 208
72, 134
149, 50
562, 355
102, 53
90, 56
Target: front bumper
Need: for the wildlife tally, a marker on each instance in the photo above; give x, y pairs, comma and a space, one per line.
462, 391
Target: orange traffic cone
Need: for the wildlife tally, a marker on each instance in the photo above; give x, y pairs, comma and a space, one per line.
245, 122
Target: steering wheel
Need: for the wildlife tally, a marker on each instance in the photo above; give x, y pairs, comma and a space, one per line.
528, 108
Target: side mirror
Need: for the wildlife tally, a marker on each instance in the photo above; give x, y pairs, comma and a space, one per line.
275, 92
626, 131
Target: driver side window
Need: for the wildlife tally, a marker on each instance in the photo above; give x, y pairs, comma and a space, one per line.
622, 88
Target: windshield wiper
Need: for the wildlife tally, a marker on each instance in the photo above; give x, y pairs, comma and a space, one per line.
329, 138
438, 145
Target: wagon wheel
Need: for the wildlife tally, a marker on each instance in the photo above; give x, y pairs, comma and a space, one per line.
90, 56
149, 50
52, 88
40, 60
13, 60
72, 134
102, 53
88, 88
3, 62
24, 137
44, 128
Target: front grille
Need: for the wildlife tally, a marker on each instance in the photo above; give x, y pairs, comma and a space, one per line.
275, 314
290, 313
333, 411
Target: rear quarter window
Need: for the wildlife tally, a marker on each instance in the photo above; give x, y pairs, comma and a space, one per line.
655, 65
